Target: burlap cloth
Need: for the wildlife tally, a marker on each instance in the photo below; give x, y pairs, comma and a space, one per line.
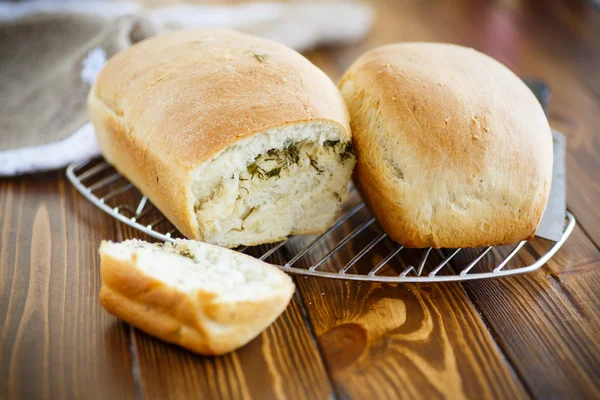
44, 83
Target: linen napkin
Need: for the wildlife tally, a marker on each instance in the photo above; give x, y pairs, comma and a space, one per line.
52, 51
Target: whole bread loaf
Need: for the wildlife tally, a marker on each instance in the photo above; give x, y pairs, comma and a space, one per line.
453, 149
237, 140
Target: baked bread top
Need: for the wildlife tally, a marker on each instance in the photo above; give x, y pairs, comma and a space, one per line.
453, 149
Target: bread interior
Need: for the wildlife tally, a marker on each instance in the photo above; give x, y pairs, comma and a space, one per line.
189, 266
289, 180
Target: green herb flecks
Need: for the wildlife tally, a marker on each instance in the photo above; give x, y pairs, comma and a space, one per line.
284, 158
255, 170
290, 156
347, 153
313, 163
345, 150
188, 254
274, 172
260, 57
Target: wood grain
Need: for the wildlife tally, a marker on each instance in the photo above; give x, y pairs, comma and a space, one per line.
408, 341
282, 363
55, 340
547, 322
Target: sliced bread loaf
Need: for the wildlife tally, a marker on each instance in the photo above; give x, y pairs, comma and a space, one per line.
205, 298
237, 140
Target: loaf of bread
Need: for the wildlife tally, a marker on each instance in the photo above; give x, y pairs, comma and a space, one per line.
453, 149
205, 298
237, 140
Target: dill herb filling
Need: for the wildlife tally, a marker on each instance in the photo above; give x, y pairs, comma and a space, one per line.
286, 157
270, 165
187, 253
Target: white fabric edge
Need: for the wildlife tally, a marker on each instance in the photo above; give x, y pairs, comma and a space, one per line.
80, 146
300, 25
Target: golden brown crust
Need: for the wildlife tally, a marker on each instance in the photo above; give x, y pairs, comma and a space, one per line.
453, 149
199, 323
171, 102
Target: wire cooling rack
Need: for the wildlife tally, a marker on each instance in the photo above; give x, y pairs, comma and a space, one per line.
354, 248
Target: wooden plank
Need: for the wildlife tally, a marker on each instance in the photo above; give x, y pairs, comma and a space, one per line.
55, 340
547, 322
283, 362
406, 341
396, 341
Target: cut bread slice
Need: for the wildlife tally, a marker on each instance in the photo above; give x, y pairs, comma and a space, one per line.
286, 181
205, 298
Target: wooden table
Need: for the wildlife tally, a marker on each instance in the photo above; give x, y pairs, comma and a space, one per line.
536, 335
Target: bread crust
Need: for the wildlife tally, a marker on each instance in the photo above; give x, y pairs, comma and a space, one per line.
200, 322
453, 149
171, 102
